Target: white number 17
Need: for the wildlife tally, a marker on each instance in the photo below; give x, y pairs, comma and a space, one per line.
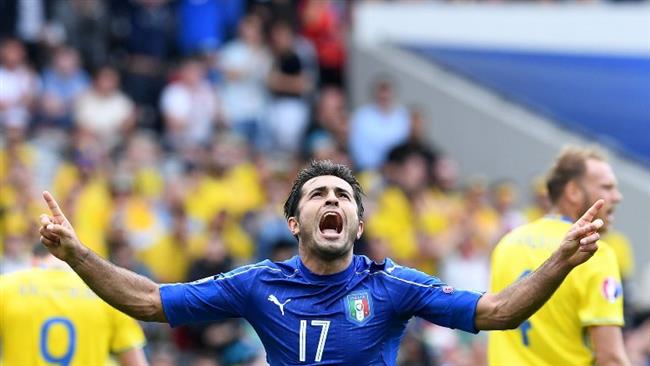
325, 324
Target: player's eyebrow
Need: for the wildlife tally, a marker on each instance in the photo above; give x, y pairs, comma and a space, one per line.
342, 190
324, 188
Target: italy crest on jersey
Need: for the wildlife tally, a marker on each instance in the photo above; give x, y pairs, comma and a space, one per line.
358, 307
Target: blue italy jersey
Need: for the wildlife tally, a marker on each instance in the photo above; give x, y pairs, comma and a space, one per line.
355, 317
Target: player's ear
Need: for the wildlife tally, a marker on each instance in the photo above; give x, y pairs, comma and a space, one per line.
573, 192
294, 226
360, 229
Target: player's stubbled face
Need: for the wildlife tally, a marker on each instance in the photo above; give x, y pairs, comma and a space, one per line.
600, 182
327, 217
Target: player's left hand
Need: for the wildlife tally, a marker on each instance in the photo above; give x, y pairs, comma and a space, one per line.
57, 234
581, 242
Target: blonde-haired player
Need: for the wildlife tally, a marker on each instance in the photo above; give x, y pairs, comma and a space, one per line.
581, 323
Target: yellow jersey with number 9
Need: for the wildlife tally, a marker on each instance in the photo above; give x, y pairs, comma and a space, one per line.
556, 334
50, 317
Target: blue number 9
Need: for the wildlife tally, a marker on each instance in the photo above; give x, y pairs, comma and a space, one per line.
66, 358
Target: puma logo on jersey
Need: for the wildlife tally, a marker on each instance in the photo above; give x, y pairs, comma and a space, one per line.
275, 300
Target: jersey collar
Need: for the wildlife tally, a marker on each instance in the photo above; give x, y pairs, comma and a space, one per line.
559, 217
327, 278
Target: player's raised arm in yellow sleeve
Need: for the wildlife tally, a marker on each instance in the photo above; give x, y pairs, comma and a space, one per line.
128, 292
508, 308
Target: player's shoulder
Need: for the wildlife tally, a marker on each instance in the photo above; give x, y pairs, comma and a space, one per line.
38, 279
266, 267
9, 280
527, 229
20, 276
543, 229
393, 273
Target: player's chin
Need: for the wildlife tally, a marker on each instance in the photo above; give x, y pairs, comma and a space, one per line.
332, 249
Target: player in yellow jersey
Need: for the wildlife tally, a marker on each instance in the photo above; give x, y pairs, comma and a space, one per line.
581, 323
48, 316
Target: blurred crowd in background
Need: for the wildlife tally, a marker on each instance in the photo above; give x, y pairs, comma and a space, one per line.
171, 131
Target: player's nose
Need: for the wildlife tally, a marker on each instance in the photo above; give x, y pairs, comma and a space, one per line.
331, 198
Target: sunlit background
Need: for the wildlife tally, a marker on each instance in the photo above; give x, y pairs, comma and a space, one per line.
171, 131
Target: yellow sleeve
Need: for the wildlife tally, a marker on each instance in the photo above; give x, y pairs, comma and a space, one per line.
127, 333
4, 293
599, 283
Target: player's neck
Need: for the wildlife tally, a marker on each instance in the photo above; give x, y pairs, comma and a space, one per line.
564, 211
321, 266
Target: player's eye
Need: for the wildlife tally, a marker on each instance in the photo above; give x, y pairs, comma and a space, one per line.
316, 194
344, 195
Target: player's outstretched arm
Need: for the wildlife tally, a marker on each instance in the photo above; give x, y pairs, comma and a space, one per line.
126, 291
510, 307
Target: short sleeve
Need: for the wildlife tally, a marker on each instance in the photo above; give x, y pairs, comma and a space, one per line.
598, 280
210, 299
128, 333
418, 294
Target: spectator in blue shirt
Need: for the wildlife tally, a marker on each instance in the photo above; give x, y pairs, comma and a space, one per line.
63, 82
378, 127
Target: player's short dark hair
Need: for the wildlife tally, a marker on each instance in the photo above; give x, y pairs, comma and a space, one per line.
570, 164
319, 168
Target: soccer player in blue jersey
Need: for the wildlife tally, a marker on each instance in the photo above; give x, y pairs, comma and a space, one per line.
325, 306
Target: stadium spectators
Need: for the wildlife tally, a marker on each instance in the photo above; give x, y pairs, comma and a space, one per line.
190, 108
322, 23
15, 255
83, 27
329, 120
200, 159
288, 83
104, 112
147, 43
203, 26
377, 127
244, 63
63, 82
504, 197
18, 86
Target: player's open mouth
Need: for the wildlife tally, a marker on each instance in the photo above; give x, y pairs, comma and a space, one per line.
331, 223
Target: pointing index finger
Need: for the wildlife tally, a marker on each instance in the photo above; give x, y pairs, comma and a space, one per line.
588, 216
54, 207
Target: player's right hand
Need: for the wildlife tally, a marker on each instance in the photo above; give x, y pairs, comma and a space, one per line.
57, 234
581, 242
